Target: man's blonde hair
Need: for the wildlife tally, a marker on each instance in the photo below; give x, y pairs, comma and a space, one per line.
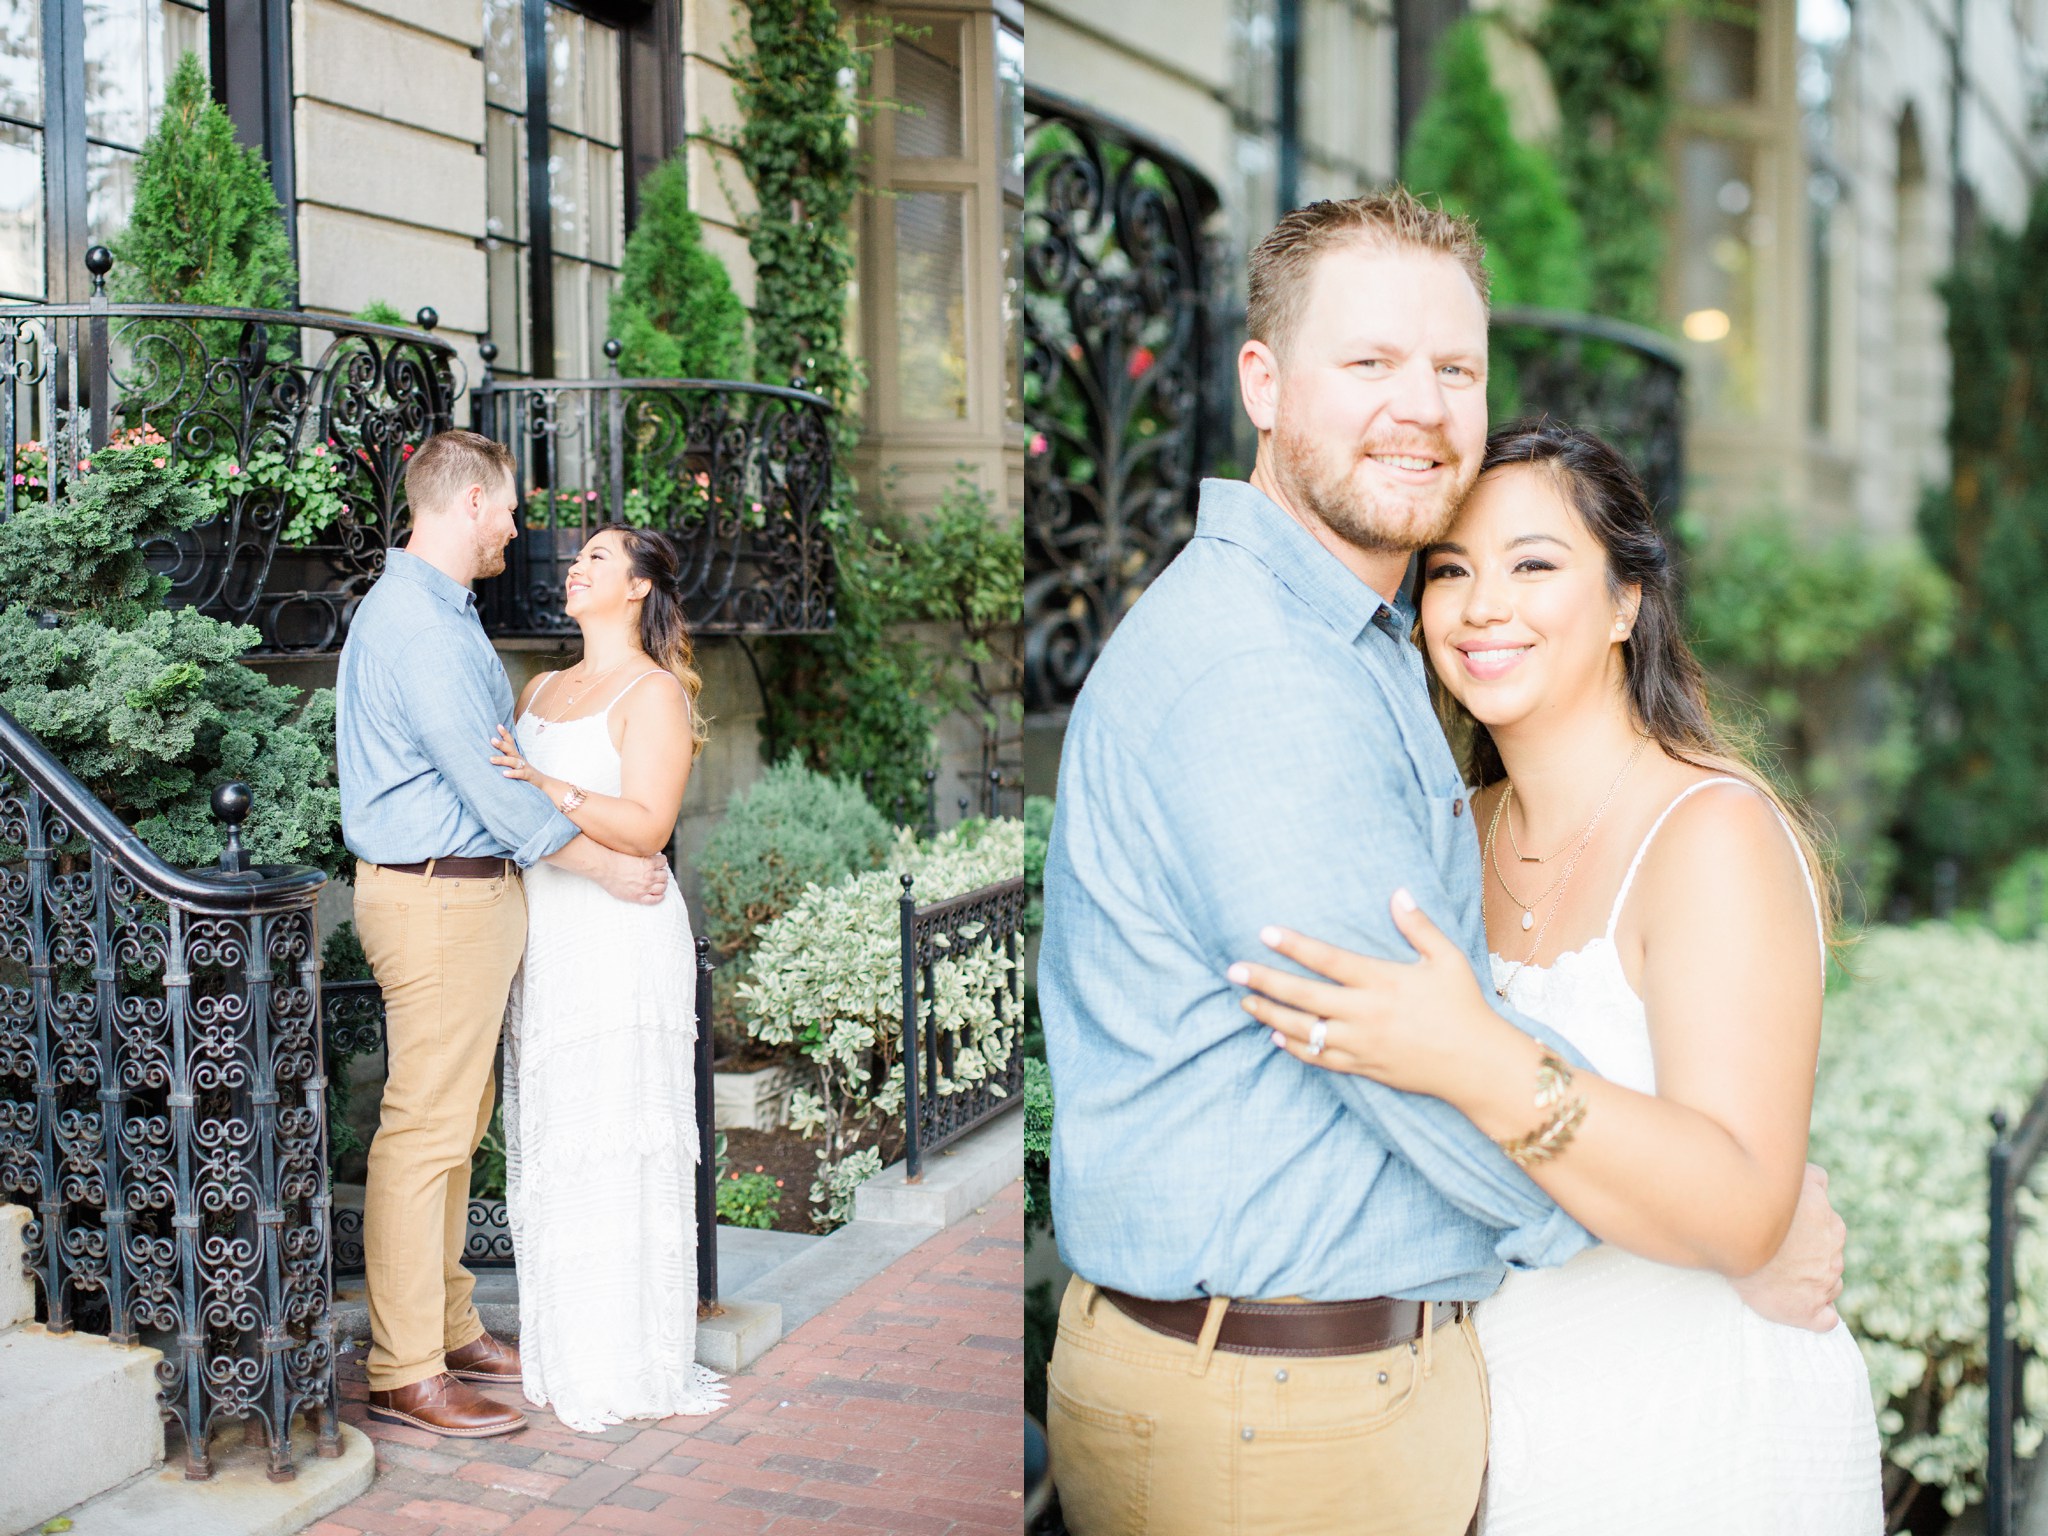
1283, 263
449, 463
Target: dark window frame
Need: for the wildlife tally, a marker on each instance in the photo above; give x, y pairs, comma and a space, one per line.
650, 130
249, 59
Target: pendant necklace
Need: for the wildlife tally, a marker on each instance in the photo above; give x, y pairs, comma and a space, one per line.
1528, 908
541, 722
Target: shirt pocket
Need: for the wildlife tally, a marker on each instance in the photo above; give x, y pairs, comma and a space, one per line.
1451, 838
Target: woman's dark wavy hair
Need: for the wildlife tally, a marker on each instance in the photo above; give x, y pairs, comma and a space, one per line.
1665, 683
664, 632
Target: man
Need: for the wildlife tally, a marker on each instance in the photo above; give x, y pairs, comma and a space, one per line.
440, 836
1268, 1330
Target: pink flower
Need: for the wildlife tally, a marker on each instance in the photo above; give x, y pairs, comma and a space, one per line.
703, 479
590, 495
758, 507
234, 469
1038, 443
159, 463
319, 450
21, 479
84, 465
1141, 363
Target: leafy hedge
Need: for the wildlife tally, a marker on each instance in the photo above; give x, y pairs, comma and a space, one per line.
826, 977
1939, 1025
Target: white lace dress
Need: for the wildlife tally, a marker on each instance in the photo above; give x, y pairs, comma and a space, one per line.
601, 1131
1631, 1397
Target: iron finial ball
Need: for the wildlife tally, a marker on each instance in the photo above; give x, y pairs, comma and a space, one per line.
99, 261
1998, 1123
488, 351
613, 347
428, 317
232, 803
908, 881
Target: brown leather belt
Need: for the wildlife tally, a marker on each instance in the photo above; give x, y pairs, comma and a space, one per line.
454, 869
1290, 1328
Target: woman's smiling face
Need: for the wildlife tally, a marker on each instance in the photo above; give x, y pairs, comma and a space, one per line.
602, 579
1518, 616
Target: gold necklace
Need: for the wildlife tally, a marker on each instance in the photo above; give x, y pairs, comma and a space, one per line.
541, 722
1525, 858
1585, 837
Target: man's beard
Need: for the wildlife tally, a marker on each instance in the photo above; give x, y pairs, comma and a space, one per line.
490, 558
1321, 479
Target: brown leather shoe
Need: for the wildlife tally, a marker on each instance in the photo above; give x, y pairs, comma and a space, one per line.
484, 1359
441, 1405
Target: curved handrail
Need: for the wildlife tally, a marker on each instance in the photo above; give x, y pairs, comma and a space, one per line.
298, 320
200, 890
1625, 333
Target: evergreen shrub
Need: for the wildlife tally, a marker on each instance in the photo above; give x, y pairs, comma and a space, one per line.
674, 312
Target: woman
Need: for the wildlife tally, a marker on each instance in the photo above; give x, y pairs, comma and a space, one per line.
1649, 898
600, 1112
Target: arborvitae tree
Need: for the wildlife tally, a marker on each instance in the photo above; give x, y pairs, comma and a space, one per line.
1980, 798
152, 707
1464, 153
206, 228
675, 313
1606, 63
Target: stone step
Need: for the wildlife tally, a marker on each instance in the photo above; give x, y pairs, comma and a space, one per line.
17, 1291
78, 1415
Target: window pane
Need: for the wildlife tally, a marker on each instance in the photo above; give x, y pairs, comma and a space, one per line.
510, 322
1717, 274
1013, 305
928, 84
109, 191
131, 47
1010, 106
505, 54
569, 194
566, 67
505, 175
931, 305
21, 59
607, 211
21, 212
1720, 58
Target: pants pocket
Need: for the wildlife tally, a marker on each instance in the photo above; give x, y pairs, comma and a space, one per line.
1101, 1465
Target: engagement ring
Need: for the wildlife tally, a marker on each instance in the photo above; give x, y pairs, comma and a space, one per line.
1318, 1036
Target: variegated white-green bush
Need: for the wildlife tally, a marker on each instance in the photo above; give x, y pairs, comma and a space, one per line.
1938, 1026
826, 977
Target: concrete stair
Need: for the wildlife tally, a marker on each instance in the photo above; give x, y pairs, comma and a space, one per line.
80, 1437
77, 1414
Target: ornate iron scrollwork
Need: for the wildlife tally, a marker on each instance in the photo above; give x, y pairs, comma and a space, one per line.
163, 1108
1114, 353
737, 475
941, 1100
251, 399
1620, 380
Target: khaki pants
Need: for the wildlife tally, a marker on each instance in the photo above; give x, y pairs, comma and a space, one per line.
445, 952
1152, 1436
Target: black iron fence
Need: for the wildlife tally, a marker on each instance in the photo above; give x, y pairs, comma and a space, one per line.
2013, 1158
939, 1107
355, 1026
737, 475
301, 423
162, 1105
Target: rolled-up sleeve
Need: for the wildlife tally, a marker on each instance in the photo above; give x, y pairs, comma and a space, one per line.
453, 723
1309, 818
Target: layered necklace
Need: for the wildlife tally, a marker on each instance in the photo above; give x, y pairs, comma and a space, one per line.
1577, 847
568, 702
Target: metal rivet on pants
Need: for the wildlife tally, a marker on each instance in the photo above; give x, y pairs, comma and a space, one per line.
1279, 1375
1247, 1431
1383, 1378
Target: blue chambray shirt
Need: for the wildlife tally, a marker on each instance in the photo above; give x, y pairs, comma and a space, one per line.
418, 694
1255, 745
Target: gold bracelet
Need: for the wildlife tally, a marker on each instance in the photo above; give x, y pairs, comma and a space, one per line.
572, 798
1564, 1111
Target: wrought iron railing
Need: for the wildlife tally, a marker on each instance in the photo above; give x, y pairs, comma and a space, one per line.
355, 1026
737, 475
2012, 1161
1624, 381
302, 422
938, 1108
162, 1107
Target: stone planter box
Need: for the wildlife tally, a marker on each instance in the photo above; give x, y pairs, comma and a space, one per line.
753, 1101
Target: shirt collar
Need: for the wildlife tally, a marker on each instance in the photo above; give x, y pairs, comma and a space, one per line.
1240, 513
436, 583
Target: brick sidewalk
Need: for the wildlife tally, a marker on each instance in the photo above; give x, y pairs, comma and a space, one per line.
898, 1409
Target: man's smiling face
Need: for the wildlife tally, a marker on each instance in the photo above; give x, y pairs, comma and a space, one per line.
1379, 418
